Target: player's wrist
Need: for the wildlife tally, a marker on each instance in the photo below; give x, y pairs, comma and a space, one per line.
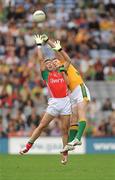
57, 49
39, 45
60, 49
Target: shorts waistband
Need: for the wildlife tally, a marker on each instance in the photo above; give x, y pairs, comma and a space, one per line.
59, 98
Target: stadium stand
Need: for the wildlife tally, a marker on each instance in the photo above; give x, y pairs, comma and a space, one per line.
86, 31
101, 90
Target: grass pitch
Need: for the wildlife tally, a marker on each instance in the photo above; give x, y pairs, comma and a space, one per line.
48, 167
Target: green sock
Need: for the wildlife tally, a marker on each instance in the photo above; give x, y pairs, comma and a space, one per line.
82, 125
72, 132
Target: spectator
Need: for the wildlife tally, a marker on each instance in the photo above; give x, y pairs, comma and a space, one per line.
109, 71
87, 34
107, 105
33, 119
99, 71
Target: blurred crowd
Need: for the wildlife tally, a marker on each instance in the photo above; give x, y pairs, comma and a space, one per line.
86, 30
20, 119
101, 118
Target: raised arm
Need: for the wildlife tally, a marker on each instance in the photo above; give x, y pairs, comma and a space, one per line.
58, 49
39, 41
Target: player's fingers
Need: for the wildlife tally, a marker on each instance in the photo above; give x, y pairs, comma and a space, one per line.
55, 43
58, 42
38, 36
34, 36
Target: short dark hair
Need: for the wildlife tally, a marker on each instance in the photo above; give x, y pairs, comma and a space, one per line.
54, 58
45, 60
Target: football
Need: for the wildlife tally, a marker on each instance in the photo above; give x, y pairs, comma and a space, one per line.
39, 16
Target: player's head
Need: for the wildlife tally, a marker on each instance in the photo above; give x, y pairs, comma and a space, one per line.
56, 62
49, 64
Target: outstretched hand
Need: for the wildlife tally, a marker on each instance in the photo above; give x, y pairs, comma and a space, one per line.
57, 46
38, 39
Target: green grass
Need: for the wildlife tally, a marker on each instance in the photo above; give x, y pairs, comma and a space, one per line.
48, 167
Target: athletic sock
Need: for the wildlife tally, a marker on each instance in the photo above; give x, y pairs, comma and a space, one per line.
28, 146
72, 132
82, 125
31, 141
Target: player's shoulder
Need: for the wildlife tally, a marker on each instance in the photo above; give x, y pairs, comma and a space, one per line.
45, 74
72, 67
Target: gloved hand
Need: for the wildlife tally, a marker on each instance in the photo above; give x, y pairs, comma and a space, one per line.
44, 37
57, 46
38, 39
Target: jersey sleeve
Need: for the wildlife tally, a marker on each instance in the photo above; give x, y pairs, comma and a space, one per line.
45, 75
62, 69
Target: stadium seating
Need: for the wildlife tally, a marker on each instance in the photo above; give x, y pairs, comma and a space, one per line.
101, 90
86, 31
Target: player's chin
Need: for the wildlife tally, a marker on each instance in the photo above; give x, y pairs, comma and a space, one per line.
51, 69
57, 67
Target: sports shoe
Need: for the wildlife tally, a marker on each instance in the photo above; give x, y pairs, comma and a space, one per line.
67, 148
75, 142
64, 157
26, 149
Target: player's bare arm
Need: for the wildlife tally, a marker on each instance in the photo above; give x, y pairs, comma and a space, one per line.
56, 46
39, 41
58, 49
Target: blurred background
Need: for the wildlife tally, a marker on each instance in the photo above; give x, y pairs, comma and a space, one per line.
86, 30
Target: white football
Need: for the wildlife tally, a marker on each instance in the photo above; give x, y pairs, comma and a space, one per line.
39, 16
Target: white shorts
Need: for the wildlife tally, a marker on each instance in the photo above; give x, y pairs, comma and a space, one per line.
59, 106
80, 93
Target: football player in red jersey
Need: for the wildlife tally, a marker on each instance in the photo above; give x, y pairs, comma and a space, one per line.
59, 101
